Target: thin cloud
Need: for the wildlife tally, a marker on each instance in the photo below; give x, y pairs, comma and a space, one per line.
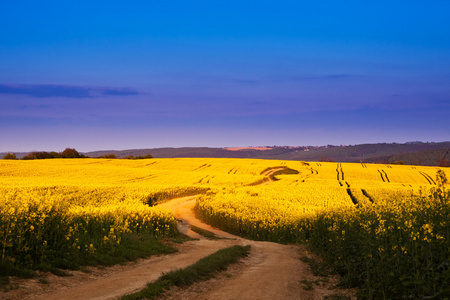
119, 92
295, 78
66, 91
326, 77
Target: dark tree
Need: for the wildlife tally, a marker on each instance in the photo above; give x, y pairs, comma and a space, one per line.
10, 156
54, 154
31, 155
70, 153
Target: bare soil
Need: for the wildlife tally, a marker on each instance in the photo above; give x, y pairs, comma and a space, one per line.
271, 271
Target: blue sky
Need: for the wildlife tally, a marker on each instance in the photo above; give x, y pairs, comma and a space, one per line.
140, 74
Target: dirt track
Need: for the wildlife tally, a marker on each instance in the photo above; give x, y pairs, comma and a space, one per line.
272, 271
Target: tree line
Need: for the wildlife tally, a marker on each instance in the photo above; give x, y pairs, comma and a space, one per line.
67, 153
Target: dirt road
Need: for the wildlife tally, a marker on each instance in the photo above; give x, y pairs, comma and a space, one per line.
272, 271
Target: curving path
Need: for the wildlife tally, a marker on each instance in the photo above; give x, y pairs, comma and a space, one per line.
272, 271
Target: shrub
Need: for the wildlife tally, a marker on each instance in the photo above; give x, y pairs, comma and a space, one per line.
10, 156
54, 154
70, 153
31, 155
67, 153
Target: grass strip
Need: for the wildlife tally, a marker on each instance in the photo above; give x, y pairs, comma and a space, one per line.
132, 247
259, 182
317, 268
284, 171
206, 233
8, 269
204, 269
270, 169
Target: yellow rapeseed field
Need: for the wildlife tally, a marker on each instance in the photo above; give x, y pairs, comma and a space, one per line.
381, 220
385, 227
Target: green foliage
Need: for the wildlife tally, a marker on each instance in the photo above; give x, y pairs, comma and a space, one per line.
70, 153
441, 179
9, 269
318, 268
54, 154
206, 233
280, 170
67, 153
308, 285
133, 246
440, 191
10, 156
390, 253
43, 236
266, 170
259, 182
204, 269
399, 249
283, 171
39, 155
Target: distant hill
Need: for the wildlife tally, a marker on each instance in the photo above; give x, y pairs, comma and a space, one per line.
433, 157
418, 153
410, 153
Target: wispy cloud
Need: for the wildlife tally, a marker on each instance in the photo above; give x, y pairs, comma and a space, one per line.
119, 92
66, 91
325, 77
295, 78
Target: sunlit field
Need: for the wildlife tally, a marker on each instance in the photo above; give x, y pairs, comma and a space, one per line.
383, 227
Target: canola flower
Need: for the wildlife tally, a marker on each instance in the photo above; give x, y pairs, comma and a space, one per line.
67, 208
383, 231
385, 227
34, 223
